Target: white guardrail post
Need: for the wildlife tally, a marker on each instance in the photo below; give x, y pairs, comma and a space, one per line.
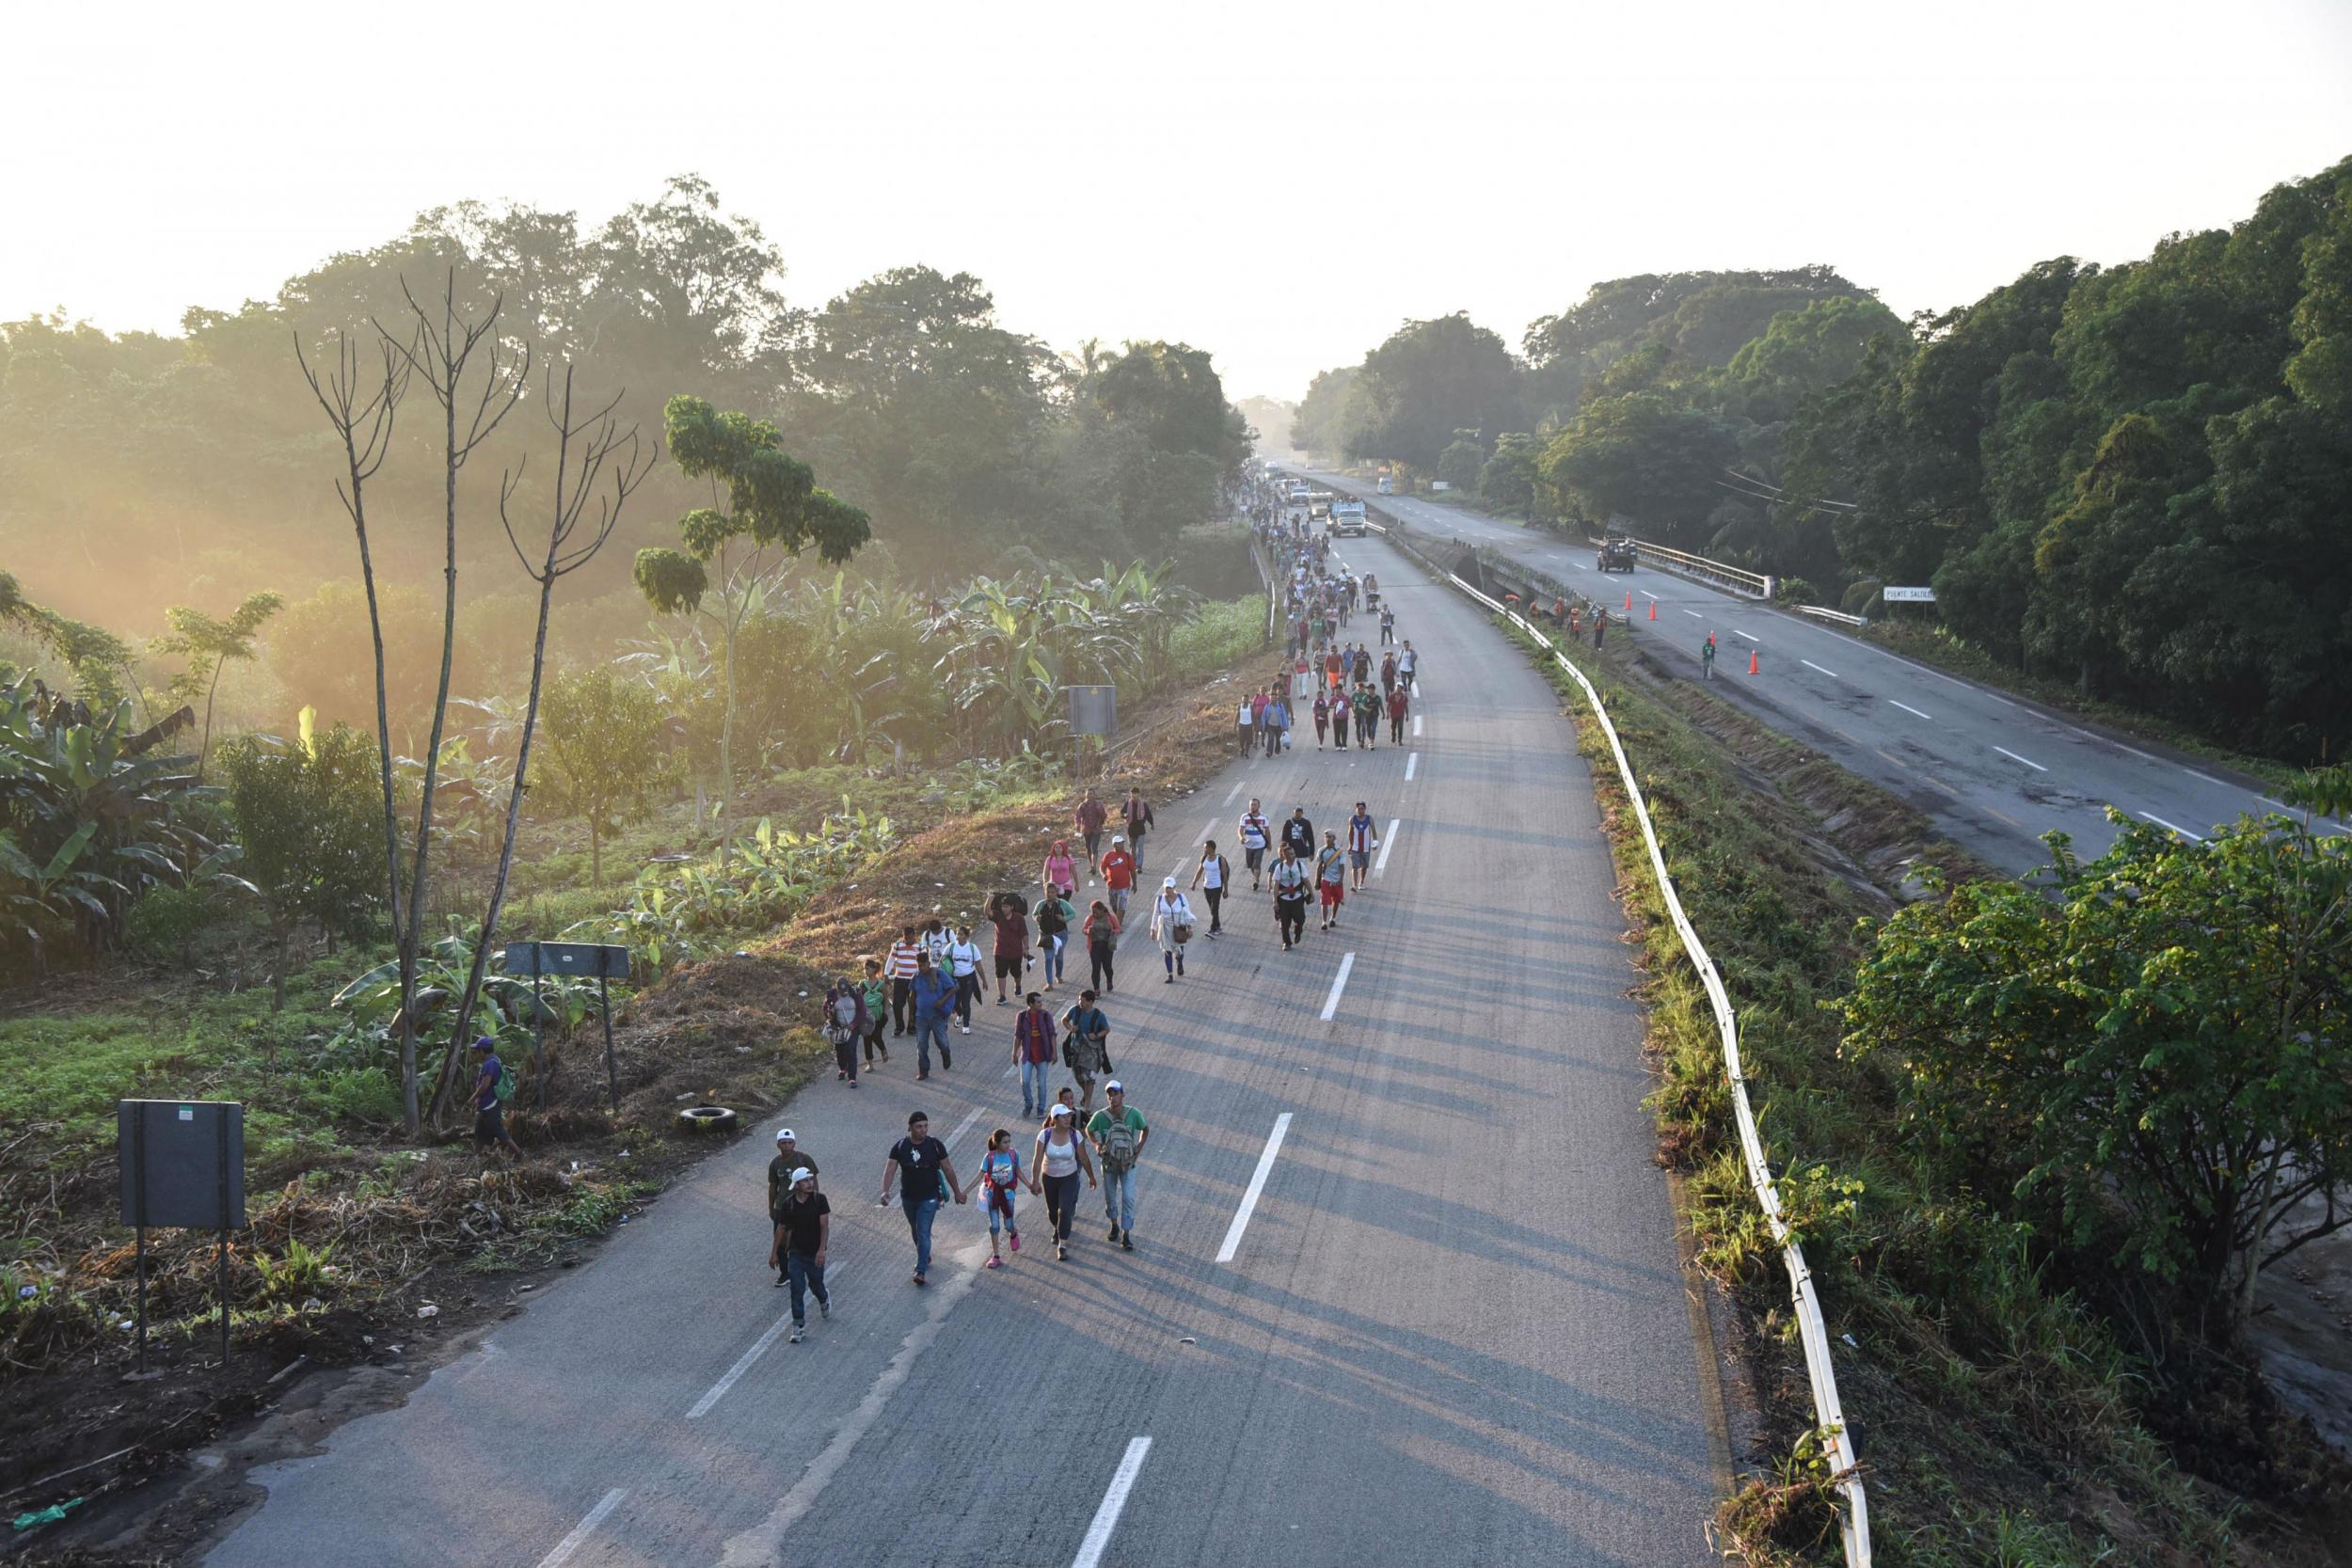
1854, 1521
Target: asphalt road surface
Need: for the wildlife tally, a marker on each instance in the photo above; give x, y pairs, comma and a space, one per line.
1450, 1329
1993, 772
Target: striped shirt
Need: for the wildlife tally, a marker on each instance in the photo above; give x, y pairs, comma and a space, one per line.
902, 963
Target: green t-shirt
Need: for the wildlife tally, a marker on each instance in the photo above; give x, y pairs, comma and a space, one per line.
1100, 1123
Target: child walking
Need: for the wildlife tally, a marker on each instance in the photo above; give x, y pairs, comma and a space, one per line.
1000, 1176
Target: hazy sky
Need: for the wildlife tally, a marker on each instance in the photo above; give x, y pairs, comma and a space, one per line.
1280, 183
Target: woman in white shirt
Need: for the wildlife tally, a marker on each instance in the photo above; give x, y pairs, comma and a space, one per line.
1171, 912
963, 963
1061, 1154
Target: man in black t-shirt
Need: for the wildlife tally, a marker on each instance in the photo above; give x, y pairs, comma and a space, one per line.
789, 1157
919, 1164
802, 1229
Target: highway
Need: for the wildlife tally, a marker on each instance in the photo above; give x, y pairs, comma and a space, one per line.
1993, 772
1407, 1286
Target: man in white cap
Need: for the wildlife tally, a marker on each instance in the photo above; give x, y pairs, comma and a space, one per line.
1119, 874
802, 1231
1120, 1132
780, 1172
1171, 925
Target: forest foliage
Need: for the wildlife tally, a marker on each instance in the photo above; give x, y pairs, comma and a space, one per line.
2127, 478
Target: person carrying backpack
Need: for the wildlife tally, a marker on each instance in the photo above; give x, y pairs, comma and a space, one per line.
1086, 1044
1256, 834
1001, 1185
1120, 1132
877, 1006
493, 1086
844, 1024
1289, 878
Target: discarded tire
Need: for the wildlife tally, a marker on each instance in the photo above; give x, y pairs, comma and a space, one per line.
707, 1118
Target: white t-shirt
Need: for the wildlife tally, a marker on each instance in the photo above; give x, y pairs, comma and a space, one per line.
964, 956
1212, 871
1242, 717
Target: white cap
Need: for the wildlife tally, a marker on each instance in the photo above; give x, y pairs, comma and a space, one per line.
803, 1174
1059, 1110
1114, 1086
1118, 838
786, 1134
1167, 881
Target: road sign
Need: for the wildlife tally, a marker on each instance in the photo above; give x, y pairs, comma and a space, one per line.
1908, 595
1093, 709
588, 961
182, 1165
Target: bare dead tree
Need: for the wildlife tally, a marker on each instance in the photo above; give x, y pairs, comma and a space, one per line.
361, 407
440, 351
598, 464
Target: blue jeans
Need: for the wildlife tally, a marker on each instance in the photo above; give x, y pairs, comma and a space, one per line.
1054, 950
1119, 1197
1036, 1073
925, 1029
807, 1277
919, 1217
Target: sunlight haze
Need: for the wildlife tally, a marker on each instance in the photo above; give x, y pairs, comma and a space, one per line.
1274, 184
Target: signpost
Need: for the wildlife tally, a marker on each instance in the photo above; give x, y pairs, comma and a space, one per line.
1908, 595
582, 960
1093, 711
182, 1165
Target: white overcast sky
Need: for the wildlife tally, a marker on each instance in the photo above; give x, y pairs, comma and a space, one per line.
1280, 183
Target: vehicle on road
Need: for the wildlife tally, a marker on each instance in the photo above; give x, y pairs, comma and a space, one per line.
1319, 504
1617, 554
1348, 519
1388, 486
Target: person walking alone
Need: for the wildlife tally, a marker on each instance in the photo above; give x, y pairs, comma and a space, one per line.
1400, 709
1706, 658
1601, 625
1322, 720
1119, 1132
1212, 877
1289, 878
1171, 927
1257, 834
1060, 1156
1330, 878
1102, 929
934, 1004
1139, 820
1246, 724
1298, 834
1362, 841
1013, 944
1119, 874
1091, 816
929, 1175
1033, 1054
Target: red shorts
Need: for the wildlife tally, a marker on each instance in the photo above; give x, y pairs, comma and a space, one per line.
1332, 892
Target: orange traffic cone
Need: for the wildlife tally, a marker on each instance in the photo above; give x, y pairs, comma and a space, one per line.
1629, 601
1752, 661
1653, 609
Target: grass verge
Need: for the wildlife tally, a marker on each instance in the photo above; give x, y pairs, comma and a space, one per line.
1996, 1419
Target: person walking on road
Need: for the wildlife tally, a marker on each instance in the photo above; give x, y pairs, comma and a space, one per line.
1061, 871
1013, 944
788, 1159
802, 1231
1298, 834
1059, 1157
1341, 720
1171, 927
1246, 724
1119, 1132
1102, 929
1257, 834
1322, 720
1330, 878
1053, 919
1388, 626
1090, 816
844, 1023
919, 1164
1139, 820
963, 968
1366, 706
1706, 658
1407, 665
1212, 877
1289, 878
1400, 709
1000, 1186
1363, 839
877, 1006
900, 969
1119, 874
1278, 723
1388, 671
1033, 1054
934, 1005
1085, 1045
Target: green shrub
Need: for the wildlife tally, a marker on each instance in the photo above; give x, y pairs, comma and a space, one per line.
165, 923
1217, 635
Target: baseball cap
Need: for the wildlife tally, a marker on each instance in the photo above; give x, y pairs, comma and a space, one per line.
1118, 838
803, 1174
1059, 1110
1167, 881
1115, 1086
785, 1133
484, 1042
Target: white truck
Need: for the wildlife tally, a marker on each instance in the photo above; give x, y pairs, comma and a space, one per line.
1348, 519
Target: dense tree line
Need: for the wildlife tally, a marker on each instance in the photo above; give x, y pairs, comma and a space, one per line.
2127, 477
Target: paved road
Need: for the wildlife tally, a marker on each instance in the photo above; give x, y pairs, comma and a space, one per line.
1453, 1330
1992, 771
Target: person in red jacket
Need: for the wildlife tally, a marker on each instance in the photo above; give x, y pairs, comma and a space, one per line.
1092, 816
1399, 707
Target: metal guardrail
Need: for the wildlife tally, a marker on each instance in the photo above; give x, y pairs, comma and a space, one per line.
1812, 1330
1754, 584
1824, 613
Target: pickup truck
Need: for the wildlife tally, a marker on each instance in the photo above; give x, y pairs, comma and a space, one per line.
1617, 554
1348, 519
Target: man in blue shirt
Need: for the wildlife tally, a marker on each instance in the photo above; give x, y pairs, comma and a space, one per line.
489, 1111
935, 1003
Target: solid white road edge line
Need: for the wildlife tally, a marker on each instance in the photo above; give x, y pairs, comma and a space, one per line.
2171, 828
1412, 760
1810, 665
570, 1544
2014, 757
763, 1542
1388, 842
1257, 1185
1913, 711
2207, 777
742, 1364
1115, 1500
1339, 983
